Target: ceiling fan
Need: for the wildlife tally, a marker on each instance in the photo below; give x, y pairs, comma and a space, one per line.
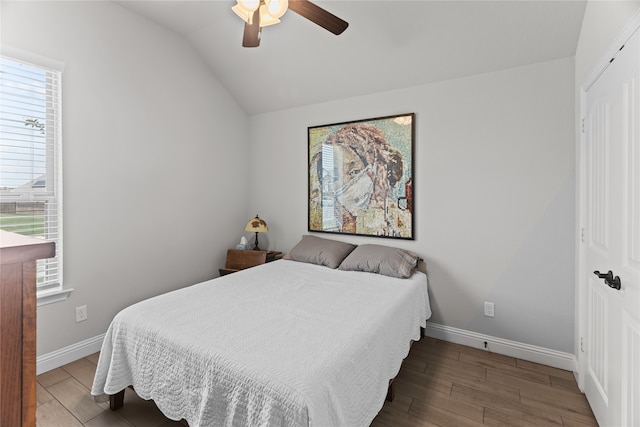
261, 13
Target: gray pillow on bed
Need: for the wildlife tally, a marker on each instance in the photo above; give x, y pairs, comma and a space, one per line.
385, 260
316, 250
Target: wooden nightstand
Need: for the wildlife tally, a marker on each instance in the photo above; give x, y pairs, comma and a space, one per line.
240, 259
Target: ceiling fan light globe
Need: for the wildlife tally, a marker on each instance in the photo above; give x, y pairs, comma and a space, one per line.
249, 5
277, 8
243, 14
266, 18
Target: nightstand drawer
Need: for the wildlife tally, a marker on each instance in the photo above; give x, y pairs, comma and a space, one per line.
273, 256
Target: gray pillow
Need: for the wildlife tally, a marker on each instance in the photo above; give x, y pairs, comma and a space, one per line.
394, 262
315, 250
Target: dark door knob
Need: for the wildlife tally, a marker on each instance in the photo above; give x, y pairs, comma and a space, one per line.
612, 282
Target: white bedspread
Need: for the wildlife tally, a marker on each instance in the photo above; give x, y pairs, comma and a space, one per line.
281, 344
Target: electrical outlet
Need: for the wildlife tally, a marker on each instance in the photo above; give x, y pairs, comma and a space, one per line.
489, 309
81, 313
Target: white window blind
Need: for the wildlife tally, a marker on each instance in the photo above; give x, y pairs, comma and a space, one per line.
30, 162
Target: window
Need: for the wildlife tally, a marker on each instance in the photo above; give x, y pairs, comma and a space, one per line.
30, 163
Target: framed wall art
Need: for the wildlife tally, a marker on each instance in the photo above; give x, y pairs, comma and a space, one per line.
361, 177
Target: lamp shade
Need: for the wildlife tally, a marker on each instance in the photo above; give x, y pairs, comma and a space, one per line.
256, 225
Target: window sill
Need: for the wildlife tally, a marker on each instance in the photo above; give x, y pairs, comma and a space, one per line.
49, 297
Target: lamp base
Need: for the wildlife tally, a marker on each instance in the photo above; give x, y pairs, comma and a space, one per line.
255, 246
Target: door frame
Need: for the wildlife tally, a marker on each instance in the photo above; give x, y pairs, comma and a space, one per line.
580, 274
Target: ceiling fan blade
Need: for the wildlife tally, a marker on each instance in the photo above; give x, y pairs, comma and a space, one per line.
318, 15
251, 37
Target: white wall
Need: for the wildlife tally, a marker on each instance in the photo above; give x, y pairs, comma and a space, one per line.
494, 190
150, 143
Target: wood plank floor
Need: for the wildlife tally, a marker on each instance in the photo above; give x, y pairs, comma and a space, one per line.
440, 384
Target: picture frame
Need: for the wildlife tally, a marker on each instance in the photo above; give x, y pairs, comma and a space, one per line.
361, 177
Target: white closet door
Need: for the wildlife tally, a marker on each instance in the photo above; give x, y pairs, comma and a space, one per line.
612, 239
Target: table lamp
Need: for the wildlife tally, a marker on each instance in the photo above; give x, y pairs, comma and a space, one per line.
256, 225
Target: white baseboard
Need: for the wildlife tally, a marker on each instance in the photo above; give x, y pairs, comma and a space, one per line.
68, 354
531, 353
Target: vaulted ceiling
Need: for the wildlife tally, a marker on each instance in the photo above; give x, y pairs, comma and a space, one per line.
388, 45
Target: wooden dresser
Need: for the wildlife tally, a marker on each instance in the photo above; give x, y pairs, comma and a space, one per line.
18, 255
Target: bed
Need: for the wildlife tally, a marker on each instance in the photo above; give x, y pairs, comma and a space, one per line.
294, 342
